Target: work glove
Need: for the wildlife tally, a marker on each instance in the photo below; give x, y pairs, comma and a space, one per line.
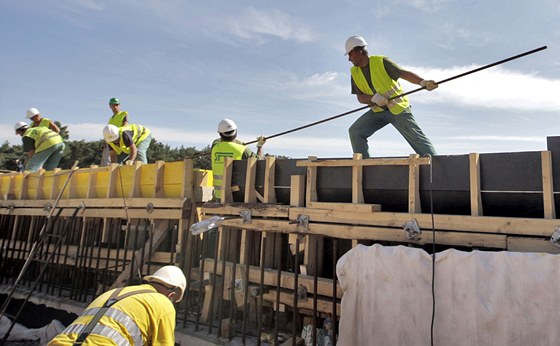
260, 141
428, 84
380, 100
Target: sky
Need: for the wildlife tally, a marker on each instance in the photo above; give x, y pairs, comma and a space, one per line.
180, 66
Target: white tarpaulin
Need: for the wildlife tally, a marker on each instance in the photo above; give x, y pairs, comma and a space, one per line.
481, 297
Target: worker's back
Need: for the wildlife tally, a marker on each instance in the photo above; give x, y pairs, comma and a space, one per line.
139, 319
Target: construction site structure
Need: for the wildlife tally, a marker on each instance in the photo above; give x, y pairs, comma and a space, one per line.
265, 269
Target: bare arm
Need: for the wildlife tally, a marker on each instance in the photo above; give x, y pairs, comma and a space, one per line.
133, 152
53, 127
411, 77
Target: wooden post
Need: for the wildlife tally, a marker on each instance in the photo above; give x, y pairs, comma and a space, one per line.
548, 186
311, 188
113, 178
474, 172
357, 185
158, 179
414, 185
269, 180
227, 196
92, 182
250, 192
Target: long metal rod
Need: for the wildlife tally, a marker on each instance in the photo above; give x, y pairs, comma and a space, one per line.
407, 93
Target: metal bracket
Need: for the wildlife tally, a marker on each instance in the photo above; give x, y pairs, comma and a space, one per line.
246, 215
412, 229
150, 207
302, 223
47, 207
11, 208
302, 293
555, 238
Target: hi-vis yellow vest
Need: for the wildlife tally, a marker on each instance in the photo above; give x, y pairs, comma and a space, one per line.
139, 133
118, 119
382, 83
44, 123
220, 150
43, 136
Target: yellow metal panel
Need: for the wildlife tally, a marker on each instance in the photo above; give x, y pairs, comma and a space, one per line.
46, 187
32, 184
173, 176
125, 175
81, 180
147, 180
102, 183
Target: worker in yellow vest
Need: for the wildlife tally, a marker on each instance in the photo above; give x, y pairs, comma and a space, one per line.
374, 82
37, 120
229, 146
119, 119
127, 143
133, 315
42, 146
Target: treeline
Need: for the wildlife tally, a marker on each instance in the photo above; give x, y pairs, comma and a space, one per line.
89, 153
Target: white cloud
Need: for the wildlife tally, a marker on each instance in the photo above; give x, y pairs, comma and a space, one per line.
256, 24
497, 88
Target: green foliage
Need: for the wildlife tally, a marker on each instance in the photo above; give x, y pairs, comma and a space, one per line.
9, 156
89, 153
63, 130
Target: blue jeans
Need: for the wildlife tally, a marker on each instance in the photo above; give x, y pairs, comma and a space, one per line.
141, 154
48, 158
370, 122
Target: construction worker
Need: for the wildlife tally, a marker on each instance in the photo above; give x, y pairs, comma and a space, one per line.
119, 119
133, 315
374, 82
37, 120
228, 146
42, 146
127, 143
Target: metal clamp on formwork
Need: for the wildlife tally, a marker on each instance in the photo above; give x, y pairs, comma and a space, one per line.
150, 208
246, 216
412, 229
10, 208
302, 223
47, 207
555, 238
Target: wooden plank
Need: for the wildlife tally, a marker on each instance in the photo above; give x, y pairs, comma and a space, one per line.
357, 183
287, 279
311, 187
95, 212
414, 185
227, 196
525, 244
548, 186
158, 179
465, 223
250, 191
91, 192
136, 178
269, 194
346, 207
365, 162
113, 180
187, 190
474, 178
470, 239
287, 298
257, 209
166, 203
297, 191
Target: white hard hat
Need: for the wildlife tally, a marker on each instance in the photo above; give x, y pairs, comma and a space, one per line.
31, 112
353, 42
226, 125
110, 133
19, 125
169, 276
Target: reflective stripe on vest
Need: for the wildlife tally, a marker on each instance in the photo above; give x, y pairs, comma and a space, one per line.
221, 150
139, 133
382, 83
118, 119
101, 330
43, 137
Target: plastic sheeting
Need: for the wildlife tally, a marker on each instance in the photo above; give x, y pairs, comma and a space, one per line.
481, 298
21, 333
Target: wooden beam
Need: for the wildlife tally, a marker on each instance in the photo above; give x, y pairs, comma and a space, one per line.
357, 184
414, 184
227, 196
348, 207
548, 185
474, 178
365, 162
250, 191
269, 194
